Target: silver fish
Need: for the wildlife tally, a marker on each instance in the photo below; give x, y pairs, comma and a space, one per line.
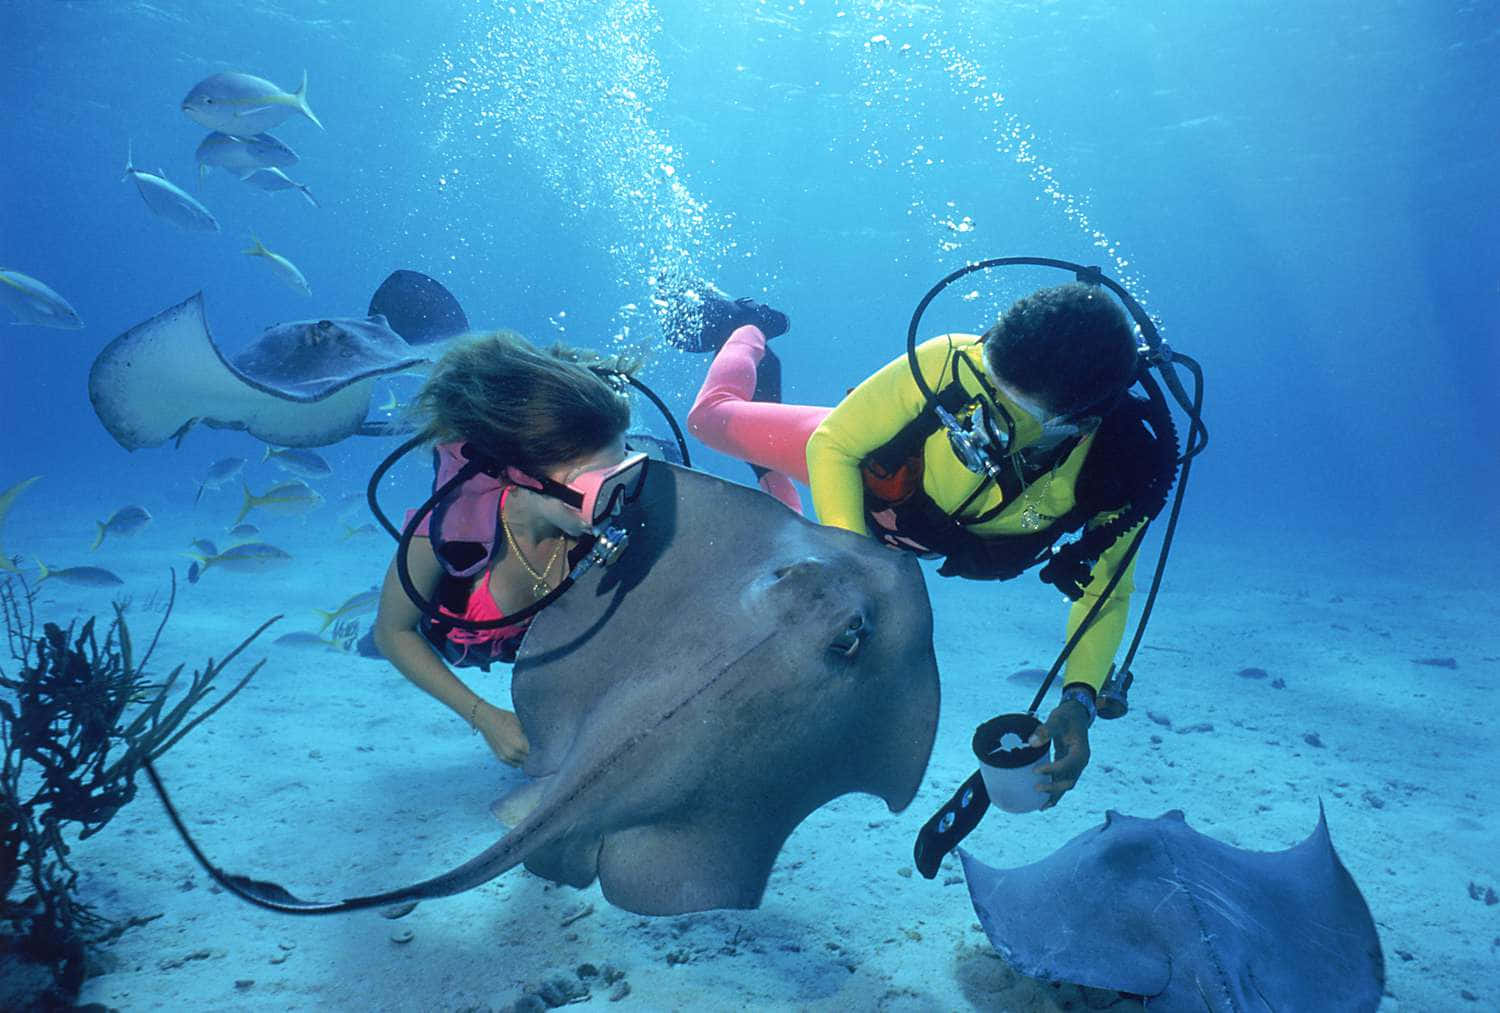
169, 201
243, 104
34, 303
125, 521
357, 605
292, 497
273, 179
242, 155
252, 557
221, 471
205, 547
284, 269
83, 576
8, 498
244, 531
303, 641
298, 461
350, 531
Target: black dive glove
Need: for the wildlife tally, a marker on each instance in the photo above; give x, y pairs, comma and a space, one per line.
1069, 572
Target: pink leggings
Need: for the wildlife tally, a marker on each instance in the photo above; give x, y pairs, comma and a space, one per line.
772, 436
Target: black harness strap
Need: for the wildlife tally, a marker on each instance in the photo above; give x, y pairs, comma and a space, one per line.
1121, 468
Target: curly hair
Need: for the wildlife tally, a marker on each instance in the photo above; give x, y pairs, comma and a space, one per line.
1069, 346
525, 407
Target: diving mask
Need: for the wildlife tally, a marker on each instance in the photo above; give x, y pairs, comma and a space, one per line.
1051, 429
598, 495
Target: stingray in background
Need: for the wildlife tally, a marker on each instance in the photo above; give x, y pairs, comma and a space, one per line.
671, 760
418, 308
1189, 924
301, 384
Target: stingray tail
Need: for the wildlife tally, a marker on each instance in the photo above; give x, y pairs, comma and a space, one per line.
99, 538
301, 96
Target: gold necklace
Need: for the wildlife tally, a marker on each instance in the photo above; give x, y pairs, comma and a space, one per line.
540, 585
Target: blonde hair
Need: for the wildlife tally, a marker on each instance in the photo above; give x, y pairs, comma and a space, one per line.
521, 406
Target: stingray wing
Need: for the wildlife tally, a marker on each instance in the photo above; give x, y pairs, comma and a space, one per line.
418, 308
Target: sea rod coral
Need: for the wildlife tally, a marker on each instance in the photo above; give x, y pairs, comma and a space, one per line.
78, 721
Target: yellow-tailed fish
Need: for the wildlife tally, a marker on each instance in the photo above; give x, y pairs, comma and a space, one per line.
284, 269
292, 497
7, 500
125, 521
252, 557
243, 104
34, 303
83, 576
358, 605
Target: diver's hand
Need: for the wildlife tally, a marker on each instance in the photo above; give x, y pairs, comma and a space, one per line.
502, 730
1067, 728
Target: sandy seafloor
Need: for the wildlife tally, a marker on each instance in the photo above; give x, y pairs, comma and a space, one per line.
333, 776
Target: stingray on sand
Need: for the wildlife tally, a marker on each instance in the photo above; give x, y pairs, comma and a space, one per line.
672, 762
306, 383
1154, 909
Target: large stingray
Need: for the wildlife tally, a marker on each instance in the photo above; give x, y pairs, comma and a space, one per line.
1188, 923
301, 384
690, 705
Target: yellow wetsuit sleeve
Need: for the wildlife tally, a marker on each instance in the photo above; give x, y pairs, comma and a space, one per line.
1089, 663
869, 417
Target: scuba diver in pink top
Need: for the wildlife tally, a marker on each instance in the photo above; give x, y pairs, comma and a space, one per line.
505, 538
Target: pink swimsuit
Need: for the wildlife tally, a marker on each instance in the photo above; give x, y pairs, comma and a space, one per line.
487, 645
482, 608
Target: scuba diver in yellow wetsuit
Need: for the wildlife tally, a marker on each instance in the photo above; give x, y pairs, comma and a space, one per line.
984, 450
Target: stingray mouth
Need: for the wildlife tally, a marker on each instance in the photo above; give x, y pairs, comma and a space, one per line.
846, 642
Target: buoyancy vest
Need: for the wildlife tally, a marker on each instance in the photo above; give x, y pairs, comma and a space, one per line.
464, 528
1125, 459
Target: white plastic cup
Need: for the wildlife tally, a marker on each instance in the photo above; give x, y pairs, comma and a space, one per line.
1008, 765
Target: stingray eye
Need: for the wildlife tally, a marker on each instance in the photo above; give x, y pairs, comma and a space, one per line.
847, 642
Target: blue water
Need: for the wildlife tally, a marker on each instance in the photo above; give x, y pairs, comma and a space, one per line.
1302, 195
